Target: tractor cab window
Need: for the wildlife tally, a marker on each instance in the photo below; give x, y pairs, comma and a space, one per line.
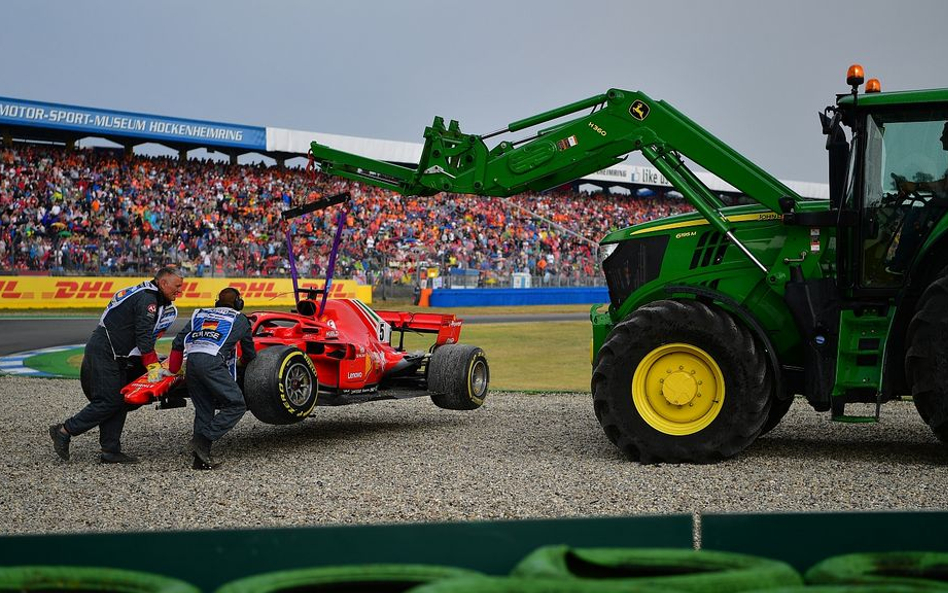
904, 173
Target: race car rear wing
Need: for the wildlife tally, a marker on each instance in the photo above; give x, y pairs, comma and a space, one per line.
448, 327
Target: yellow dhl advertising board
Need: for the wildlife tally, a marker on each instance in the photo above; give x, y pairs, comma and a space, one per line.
47, 292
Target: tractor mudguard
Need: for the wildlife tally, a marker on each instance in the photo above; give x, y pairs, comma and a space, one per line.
814, 305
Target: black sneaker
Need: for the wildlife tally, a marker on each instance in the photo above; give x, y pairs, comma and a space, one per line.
201, 447
60, 441
117, 457
200, 465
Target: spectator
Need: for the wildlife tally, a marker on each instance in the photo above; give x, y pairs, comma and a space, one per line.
99, 212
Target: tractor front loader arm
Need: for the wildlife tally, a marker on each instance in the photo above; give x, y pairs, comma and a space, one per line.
620, 122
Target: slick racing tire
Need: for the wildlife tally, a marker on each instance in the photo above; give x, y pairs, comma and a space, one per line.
681, 382
86, 579
926, 359
280, 385
924, 571
676, 569
366, 577
458, 377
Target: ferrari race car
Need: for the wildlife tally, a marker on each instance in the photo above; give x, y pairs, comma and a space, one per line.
343, 356
340, 351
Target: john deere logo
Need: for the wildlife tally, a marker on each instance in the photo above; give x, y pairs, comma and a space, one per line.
638, 110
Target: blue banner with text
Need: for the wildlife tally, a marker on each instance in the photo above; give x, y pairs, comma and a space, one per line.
92, 121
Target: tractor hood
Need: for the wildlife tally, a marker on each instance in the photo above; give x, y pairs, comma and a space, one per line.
732, 214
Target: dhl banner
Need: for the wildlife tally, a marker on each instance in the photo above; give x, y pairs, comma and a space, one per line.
59, 292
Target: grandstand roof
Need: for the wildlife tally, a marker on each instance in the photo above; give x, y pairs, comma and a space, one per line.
38, 120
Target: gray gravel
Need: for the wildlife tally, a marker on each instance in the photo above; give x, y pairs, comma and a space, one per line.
520, 456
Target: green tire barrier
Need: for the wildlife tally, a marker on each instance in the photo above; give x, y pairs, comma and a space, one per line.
535, 585
390, 578
845, 589
86, 579
679, 569
926, 571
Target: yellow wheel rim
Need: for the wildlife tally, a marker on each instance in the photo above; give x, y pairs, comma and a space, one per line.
678, 389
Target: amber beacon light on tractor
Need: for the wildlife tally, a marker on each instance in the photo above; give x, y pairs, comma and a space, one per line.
719, 317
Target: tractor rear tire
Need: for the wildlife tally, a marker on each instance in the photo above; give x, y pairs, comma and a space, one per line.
718, 392
926, 359
778, 409
280, 385
458, 377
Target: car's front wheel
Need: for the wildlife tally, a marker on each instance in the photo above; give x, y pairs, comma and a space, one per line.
280, 385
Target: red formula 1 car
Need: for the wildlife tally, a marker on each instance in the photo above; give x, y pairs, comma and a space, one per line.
340, 351
346, 355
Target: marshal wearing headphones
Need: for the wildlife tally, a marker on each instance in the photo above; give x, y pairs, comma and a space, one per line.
209, 342
230, 297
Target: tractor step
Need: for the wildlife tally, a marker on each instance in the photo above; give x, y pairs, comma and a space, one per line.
839, 414
856, 419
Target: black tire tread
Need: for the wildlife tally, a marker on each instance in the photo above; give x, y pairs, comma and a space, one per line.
672, 319
261, 387
926, 357
448, 376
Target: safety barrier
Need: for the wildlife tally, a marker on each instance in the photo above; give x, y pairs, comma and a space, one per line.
208, 559
803, 539
486, 297
49, 292
800, 540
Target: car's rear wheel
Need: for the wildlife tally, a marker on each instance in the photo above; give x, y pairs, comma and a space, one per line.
458, 377
280, 385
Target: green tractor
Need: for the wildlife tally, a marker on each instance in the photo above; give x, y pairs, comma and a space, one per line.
719, 317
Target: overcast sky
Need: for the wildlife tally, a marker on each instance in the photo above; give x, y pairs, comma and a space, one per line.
754, 73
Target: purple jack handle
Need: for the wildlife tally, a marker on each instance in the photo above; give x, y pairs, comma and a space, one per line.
331, 267
292, 213
293, 274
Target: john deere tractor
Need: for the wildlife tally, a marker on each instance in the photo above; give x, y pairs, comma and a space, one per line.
719, 317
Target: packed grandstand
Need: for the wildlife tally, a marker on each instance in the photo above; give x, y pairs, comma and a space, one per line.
100, 211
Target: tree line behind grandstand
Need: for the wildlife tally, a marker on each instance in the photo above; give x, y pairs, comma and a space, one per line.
99, 212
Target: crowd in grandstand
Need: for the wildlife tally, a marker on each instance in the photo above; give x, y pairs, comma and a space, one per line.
95, 211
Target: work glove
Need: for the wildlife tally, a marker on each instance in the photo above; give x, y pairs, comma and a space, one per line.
156, 372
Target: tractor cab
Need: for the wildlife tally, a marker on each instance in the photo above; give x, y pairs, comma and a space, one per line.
889, 181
